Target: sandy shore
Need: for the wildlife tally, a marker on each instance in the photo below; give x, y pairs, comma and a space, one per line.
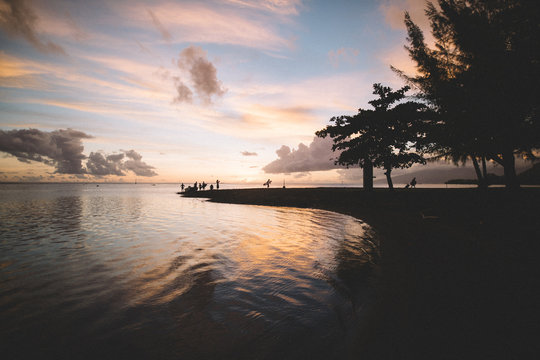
456, 270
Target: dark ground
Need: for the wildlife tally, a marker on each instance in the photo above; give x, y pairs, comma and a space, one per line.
458, 268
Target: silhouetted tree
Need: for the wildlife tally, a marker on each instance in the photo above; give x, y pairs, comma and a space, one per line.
383, 137
483, 77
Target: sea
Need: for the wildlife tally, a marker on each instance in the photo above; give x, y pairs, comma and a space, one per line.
135, 271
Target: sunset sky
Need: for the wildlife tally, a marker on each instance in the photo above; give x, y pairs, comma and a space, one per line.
170, 91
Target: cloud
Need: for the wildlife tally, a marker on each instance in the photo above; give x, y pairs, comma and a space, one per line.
184, 93
164, 32
18, 19
60, 148
343, 54
241, 23
394, 12
247, 153
302, 175
282, 7
399, 58
63, 149
202, 73
132, 154
317, 156
136, 165
99, 164
259, 114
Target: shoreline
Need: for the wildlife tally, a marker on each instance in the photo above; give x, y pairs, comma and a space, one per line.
456, 268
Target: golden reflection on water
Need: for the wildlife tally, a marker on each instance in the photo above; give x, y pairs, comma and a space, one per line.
121, 263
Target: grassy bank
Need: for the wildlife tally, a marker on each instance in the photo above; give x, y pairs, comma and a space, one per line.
457, 268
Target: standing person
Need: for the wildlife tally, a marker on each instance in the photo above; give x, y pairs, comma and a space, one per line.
182, 186
413, 183
217, 184
195, 186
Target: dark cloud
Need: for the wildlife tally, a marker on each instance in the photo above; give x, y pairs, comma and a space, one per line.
60, 148
139, 168
184, 94
132, 154
18, 19
202, 73
99, 164
136, 165
164, 32
63, 149
315, 157
247, 153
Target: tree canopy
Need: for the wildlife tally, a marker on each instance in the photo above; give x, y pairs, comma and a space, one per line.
385, 136
483, 77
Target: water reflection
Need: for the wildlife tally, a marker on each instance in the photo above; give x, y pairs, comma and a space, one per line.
160, 276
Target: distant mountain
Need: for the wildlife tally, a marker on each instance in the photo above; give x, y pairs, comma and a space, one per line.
440, 173
530, 176
433, 176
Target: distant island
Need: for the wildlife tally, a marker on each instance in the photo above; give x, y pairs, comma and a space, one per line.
530, 176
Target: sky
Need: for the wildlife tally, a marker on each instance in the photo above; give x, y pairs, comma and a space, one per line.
184, 91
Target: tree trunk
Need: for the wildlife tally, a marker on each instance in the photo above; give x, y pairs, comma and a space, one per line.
510, 176
388, 173
368, 175
481, 179
484, 171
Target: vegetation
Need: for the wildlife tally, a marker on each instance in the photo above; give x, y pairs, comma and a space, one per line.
384, 136
528, 177
481, 77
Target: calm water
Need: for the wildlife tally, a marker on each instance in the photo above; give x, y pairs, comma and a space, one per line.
135, 271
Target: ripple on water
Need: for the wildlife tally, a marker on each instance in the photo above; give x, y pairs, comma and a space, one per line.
125, 270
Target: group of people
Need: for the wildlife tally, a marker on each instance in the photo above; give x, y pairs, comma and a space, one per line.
199, 186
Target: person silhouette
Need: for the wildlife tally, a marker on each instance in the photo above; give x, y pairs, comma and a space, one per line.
267, 183
182, 186
204, 185
217, 184
211, 187
413, 182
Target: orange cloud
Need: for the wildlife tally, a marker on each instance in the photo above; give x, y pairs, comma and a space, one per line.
398, 57
198, 22
394, 11
11, 66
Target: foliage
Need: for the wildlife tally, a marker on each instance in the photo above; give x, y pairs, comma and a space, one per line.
483, 77
384, 136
